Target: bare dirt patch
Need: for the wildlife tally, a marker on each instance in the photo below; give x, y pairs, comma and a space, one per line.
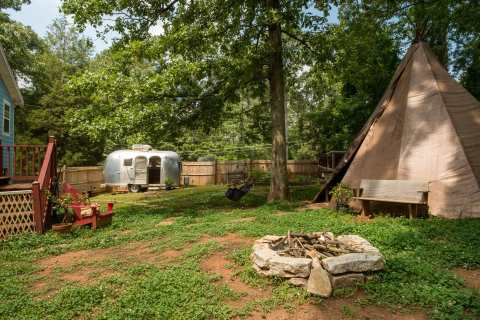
166, 222
85, 266
314, 206
280, 213
133, 251
305, 312
337, 309
346, 308
218, 264
229, 241
471, 278
82, 266
246, 219
87, 275
173, 254
363, 219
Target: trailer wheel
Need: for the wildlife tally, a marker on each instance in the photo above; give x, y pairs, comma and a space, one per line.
134, 188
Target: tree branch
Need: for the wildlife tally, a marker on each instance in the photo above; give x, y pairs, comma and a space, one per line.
300, 40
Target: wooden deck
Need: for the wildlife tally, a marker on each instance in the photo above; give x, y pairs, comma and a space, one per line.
16, 187
24, 203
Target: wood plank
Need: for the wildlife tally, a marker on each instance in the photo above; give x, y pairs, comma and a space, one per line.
406, 190
389, 200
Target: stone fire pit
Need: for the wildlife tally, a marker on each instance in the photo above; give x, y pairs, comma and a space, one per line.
319, 261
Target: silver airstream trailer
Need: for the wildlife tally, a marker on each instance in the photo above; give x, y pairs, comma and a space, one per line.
141, 168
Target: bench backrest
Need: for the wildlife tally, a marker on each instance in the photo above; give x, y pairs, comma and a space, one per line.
406, 190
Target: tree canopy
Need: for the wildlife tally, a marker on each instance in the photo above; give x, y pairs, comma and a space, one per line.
198, 76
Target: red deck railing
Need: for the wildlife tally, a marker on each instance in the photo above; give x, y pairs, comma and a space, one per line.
21, 162
43, 185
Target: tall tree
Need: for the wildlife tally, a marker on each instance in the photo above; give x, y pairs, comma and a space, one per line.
13, 4
66, 42
237, 44
469, 62
22, 45
333, 99
23, 48
279, 183
64, 52
446, 25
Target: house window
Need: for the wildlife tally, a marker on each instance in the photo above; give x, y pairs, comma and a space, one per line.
6, 118
127, 162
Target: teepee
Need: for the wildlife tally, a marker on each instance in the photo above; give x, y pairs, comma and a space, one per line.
425, 128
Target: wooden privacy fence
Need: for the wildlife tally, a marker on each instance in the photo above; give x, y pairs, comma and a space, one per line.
224, 172
84, 179
200, 173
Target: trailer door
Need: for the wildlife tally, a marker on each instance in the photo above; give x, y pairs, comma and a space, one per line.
140, 170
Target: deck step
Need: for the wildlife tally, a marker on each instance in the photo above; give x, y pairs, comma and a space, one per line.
16, 187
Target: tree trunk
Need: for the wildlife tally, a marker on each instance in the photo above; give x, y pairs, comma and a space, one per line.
279, 182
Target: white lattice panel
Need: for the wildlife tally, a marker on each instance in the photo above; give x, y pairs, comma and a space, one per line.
16, 212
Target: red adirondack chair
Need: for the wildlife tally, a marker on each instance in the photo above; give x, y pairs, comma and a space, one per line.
87, 213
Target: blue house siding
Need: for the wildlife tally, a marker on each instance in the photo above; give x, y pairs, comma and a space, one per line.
6, 139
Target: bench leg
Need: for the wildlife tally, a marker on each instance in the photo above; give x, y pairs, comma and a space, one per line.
365, 208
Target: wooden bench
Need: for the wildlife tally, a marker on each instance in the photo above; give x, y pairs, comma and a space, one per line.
409, 192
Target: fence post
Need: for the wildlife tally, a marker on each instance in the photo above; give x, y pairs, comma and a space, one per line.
215, 174
37, 207
250, 168
64, 174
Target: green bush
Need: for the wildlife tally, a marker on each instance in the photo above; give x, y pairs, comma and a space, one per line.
169, 183
342, 194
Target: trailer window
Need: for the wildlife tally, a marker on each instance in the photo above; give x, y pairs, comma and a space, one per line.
128, 162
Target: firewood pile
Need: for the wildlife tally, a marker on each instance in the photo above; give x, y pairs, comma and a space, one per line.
317, 244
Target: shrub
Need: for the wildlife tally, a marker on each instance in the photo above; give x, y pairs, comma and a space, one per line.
342, 194
169, 183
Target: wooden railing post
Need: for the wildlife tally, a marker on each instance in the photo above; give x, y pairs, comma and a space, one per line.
8, 161
37, 207
1, 159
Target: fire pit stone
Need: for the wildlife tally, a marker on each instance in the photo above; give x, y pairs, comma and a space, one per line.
347, 280
353, 262
319, 261
267, 262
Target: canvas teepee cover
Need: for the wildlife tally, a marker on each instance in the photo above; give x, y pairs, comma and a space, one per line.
425, 128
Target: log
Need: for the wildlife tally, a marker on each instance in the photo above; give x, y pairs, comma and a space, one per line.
322, 245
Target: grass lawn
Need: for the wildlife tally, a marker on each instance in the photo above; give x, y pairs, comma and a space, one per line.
184, 254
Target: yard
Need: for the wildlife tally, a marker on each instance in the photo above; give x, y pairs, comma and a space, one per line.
184, 254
